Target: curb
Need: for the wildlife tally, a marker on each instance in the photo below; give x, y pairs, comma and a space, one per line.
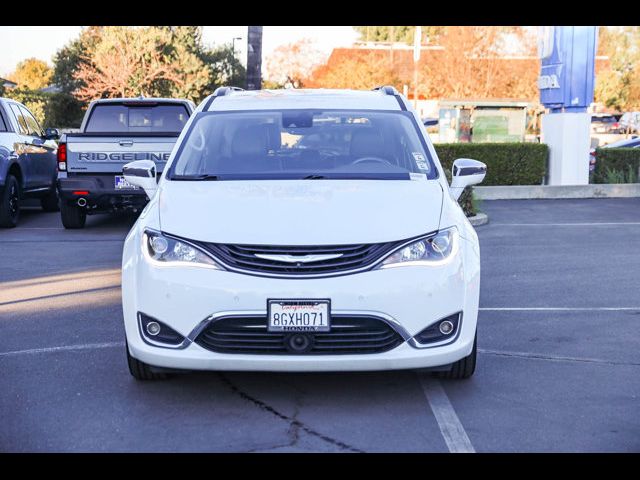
523, 192
478, 219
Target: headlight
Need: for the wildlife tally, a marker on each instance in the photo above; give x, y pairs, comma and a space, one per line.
433, 250
169, 250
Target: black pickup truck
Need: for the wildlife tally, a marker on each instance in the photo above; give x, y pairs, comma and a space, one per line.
115, 132
27, 162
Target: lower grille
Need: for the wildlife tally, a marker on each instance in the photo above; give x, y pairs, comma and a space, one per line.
350, 334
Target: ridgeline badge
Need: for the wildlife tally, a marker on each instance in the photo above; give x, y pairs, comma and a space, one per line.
123, 157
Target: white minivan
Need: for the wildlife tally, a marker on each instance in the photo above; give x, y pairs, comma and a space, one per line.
302, 230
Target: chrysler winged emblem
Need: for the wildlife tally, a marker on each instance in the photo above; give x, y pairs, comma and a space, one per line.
299, 258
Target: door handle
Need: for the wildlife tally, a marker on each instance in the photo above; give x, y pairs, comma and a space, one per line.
126, 143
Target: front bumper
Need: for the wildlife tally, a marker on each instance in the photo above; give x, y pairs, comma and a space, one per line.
412, 298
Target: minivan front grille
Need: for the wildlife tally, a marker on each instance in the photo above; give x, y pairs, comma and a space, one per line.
350, 334
299, 260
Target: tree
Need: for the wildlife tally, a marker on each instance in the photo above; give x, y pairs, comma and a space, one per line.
361, 72
32, 74
129, 62
171, 61
618, 86
472, 64
292, 63
68, 59
225, 68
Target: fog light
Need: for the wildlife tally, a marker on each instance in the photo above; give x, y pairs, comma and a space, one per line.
446, 327
153, 328
159, 245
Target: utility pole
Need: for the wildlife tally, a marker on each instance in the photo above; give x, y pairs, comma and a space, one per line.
254, 58
417, 37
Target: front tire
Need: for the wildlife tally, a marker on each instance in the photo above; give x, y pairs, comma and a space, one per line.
464, 367
142, 371
72, 216
50, 202
10, 203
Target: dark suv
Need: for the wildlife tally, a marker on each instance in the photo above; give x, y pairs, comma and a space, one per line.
28, 165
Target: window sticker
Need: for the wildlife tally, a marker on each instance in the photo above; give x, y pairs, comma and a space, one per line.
420, 161
417, 176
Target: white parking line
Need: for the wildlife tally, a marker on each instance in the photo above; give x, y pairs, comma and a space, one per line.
452, 430
575, 224
557, 309
87, 346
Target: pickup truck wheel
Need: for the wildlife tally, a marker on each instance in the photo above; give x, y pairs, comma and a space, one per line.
72, 216
141, 371
464, 367
50, 202
10, 203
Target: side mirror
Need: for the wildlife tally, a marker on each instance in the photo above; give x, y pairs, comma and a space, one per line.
465, 172
142, 173
430, 122
51, 134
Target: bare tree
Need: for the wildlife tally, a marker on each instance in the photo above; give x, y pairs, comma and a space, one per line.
128, 62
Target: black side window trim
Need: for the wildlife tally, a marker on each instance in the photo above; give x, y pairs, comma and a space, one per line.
13, 107
4, 125
25, 110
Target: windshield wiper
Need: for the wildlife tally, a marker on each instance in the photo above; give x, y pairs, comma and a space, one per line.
205, 176
315, 177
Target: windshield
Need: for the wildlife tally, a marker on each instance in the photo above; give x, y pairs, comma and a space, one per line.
123, 118
296, 144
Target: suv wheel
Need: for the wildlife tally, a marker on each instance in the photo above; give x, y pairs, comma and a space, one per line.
72, 215
140, 370
464, 367
50, 202
10, 203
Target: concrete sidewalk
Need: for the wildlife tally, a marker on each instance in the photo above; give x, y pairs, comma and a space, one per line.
522, 192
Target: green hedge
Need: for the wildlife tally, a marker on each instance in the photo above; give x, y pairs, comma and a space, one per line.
507, 164
616, 165
52, 110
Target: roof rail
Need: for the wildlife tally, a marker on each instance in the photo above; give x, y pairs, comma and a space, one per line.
222, 91
387, 90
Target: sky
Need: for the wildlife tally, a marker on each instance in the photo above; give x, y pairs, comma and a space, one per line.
42, 42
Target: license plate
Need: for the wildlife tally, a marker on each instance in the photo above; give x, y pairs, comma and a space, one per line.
122, 184
299, 315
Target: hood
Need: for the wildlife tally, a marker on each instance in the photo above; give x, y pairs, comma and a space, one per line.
300, 212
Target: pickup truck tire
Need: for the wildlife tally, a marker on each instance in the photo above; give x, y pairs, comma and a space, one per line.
10, 203
141, 371
73, 217
50, 202
464, 367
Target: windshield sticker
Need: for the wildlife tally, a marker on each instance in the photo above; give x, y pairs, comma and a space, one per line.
420, 161
417, 176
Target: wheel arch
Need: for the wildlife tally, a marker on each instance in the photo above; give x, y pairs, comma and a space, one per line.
15, 170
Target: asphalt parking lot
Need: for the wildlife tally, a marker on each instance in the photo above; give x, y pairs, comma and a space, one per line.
558, 367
